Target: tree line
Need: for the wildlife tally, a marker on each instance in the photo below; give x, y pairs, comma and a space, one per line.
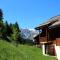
9, 32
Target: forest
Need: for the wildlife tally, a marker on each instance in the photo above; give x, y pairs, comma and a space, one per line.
9, 32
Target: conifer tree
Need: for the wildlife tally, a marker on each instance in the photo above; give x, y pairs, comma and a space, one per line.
1, 24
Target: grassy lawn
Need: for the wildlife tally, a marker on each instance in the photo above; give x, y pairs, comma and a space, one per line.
22, 52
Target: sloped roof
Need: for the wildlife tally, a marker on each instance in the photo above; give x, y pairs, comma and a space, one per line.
51, 20
55, 24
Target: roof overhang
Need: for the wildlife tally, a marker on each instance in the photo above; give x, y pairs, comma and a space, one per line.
49, 22
56, 24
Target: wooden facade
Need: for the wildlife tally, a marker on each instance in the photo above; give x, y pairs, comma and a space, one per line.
50, 35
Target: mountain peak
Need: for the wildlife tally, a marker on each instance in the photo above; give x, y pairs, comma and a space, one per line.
29, 33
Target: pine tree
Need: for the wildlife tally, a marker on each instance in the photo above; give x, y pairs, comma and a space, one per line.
1, 14
1, 24
16, 34
19, 39
8, 29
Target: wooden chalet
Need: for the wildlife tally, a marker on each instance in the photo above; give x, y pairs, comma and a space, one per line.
49, 37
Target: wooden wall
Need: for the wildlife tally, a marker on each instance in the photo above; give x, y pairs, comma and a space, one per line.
58, 41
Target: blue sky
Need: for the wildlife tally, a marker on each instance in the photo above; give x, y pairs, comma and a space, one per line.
29, 13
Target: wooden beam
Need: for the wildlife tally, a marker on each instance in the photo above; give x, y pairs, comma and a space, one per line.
39, 36
47, 34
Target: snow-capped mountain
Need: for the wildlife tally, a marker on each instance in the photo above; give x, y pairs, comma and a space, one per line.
28, 33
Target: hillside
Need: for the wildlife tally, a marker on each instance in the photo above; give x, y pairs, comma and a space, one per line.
22, 52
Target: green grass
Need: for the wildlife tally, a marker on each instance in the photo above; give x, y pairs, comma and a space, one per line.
22, 52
